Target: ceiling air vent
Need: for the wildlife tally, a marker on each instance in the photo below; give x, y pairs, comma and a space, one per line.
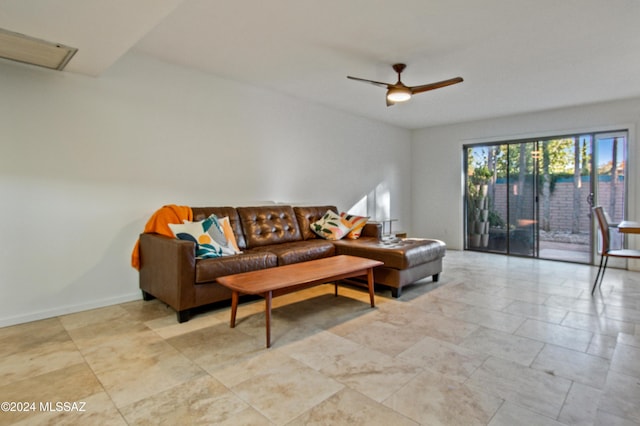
22, 48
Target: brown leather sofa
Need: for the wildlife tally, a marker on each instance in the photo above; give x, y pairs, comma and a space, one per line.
270, 236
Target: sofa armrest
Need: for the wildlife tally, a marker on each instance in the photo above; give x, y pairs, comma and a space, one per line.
167, 270
372, 229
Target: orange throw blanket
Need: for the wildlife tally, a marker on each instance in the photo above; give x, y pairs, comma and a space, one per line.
159, 223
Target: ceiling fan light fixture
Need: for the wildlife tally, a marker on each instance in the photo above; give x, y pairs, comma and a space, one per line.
398, 94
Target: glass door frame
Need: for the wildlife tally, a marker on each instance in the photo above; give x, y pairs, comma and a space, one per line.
617, 240
489, 178
536, 173
524, 228
510, 232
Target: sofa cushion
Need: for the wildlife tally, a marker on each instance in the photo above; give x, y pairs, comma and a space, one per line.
201, 213
299, 251
309, 214
331, 226
208, 270
268, 225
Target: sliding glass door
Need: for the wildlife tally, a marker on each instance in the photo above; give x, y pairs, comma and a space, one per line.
565, 167
533, 198
486, 202
501, 198
609, 191
521, 198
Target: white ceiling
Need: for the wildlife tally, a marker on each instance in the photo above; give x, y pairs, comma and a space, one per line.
515, 56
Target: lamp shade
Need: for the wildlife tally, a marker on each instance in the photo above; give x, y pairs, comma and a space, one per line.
398, 94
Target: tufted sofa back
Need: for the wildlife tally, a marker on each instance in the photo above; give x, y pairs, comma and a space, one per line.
307, 215
267, 225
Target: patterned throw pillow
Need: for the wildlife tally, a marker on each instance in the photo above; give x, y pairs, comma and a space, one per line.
225, 223
215, 231
356, 222
331, 226
218, 235
196, 232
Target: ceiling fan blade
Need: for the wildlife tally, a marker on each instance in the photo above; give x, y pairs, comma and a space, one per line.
436, 85
376, 83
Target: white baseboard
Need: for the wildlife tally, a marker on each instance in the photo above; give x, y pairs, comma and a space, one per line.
71, 309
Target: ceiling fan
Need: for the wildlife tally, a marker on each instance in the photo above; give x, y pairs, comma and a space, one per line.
398, 92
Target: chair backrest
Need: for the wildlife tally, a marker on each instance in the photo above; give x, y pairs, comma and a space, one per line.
603, 224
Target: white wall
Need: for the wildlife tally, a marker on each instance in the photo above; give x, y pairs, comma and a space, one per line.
437, 177
85, 161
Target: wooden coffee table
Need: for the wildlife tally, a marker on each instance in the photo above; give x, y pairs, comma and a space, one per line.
280, 280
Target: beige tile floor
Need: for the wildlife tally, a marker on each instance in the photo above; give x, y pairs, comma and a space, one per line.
498, 341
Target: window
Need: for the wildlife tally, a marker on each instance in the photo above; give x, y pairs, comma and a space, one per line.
534, 197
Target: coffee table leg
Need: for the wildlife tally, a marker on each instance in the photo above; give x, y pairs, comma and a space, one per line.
370, 284
234, 307
267, 312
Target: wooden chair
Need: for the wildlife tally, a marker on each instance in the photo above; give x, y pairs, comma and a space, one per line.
605, 228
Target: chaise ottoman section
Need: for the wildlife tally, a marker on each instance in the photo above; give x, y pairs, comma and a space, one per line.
405, 261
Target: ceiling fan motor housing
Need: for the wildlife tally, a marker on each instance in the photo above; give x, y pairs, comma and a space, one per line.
399, 67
